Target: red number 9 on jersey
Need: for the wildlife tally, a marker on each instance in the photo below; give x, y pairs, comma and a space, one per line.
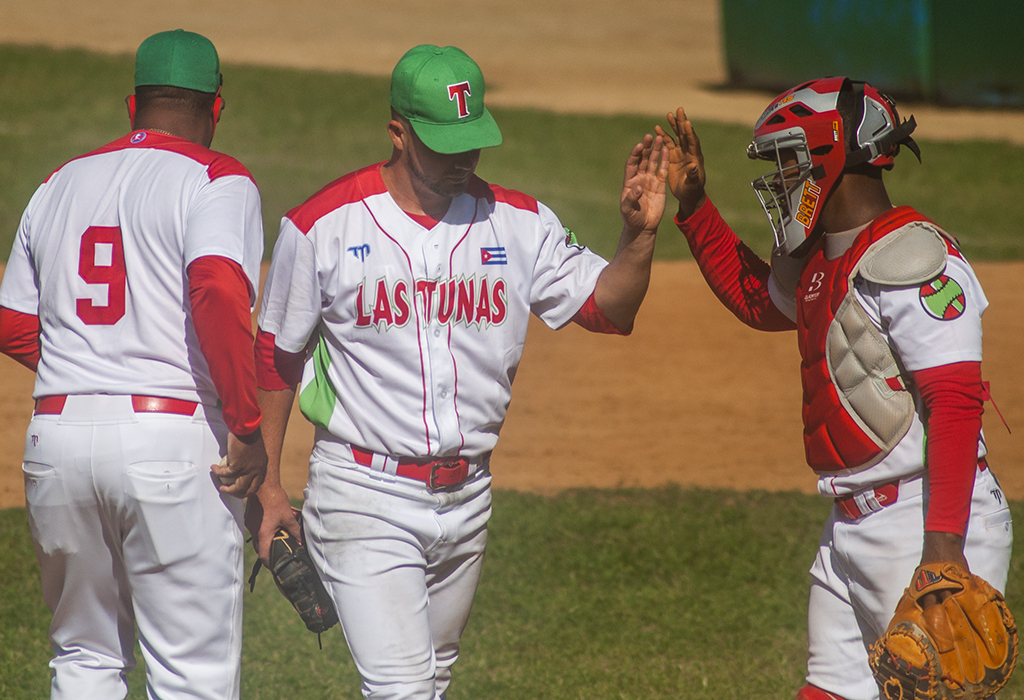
101, 261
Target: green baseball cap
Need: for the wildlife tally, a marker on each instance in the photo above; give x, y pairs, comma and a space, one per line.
180, 59
441, 92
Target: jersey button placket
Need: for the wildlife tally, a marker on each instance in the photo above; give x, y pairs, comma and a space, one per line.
442, 370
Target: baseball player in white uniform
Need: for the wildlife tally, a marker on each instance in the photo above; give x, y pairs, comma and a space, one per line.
129, 290
888, 314
401, 295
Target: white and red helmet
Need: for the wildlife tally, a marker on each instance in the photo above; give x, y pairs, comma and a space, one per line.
811, 122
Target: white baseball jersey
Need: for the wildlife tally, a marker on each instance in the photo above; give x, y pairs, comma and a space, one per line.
108, 261
420, 330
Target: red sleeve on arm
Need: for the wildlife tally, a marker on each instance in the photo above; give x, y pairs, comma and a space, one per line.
952, 396
275, 368
218, 291
734, 272
19, 337
593, 319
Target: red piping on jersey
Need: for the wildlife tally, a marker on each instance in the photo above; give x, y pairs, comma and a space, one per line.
419, 324
451, 269
217, 164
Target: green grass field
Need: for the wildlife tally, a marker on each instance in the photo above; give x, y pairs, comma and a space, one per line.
633, 594
298, 130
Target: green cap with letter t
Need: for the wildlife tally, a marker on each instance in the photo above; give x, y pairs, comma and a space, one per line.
441, 92
179, 59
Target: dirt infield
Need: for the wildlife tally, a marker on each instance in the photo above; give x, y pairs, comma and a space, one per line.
693, 397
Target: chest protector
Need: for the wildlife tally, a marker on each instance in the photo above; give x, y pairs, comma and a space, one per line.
856, 402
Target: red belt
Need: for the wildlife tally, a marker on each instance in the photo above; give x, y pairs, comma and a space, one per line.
438, 474
54, 405
868, 501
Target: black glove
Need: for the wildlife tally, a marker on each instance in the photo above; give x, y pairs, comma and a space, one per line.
296, 578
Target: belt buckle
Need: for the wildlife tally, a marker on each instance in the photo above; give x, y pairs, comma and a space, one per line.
447, 464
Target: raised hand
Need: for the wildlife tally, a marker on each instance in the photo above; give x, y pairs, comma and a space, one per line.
642, 203
686, 176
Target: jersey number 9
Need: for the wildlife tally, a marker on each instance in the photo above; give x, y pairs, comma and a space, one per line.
101, 261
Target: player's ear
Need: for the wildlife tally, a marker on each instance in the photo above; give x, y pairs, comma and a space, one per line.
130, 101
218, 106
397, 132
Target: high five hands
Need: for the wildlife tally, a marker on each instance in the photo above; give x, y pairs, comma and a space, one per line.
686, 176
642, 203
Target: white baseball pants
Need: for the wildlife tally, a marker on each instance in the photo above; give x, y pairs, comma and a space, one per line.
130, 530
402, 564
863, 567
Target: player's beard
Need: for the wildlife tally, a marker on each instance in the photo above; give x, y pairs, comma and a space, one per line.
449, 184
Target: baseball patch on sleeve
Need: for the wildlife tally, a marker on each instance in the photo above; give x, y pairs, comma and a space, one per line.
570, 238
943, 298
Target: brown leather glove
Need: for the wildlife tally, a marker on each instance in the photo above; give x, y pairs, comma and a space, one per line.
963, 648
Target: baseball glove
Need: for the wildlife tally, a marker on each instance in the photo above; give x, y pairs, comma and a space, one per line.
964, 648
296, 578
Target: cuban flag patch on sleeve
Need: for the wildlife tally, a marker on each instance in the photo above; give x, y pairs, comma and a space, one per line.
493, 256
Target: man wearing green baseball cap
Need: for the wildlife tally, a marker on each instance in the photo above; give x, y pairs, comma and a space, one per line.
411, 283
177, 86
138, 263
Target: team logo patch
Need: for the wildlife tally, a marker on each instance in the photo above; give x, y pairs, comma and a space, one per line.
493, 256
138, 137
926, 578
943, 298
459, 93
570, 238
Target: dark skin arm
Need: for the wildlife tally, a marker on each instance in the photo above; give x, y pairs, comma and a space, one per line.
686, 174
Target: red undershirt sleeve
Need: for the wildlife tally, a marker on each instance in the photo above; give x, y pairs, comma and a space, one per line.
737, 276
952, 396
19, 337
592, 318
219, 293
276, 369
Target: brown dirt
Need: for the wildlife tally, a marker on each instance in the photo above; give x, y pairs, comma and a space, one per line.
693, 397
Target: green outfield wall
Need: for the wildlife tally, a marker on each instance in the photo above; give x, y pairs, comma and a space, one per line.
969, 53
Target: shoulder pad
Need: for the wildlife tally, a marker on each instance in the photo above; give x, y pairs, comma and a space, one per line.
911, 254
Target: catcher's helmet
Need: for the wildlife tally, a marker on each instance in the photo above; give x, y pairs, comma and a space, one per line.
829, 125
